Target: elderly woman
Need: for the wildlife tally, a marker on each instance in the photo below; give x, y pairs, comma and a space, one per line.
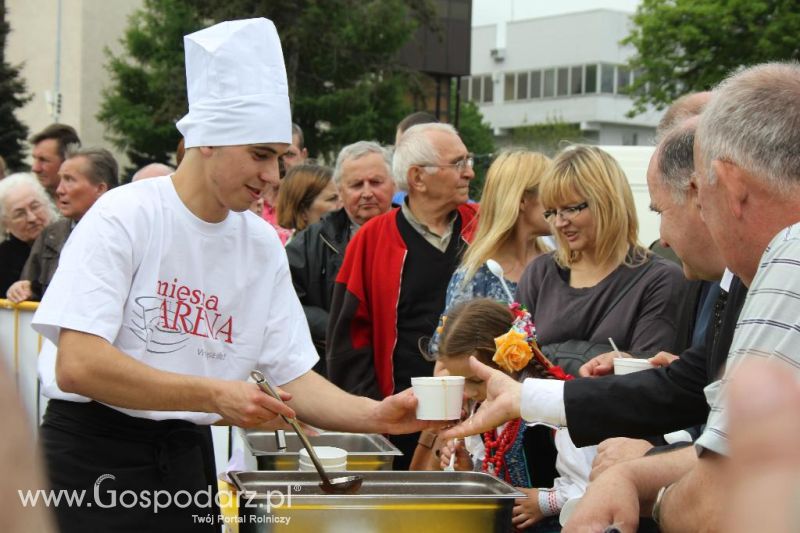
600, 283
307, 193
25, 210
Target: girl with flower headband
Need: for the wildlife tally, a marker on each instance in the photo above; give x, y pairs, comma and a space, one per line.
505, 338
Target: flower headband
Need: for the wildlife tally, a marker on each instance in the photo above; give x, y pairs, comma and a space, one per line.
515, 349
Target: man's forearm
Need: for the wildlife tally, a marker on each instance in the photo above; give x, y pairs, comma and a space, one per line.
696, 499
320, 403
90, 366
651, 473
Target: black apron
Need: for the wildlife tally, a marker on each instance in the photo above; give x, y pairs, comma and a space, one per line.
128, 469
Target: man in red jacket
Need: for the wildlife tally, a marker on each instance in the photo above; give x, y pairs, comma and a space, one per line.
391, 288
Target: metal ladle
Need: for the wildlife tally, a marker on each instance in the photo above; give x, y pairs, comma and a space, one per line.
339, 485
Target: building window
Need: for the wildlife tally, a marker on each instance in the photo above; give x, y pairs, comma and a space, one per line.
477, 89
644, 89
563, 82
630, 139
488, 89
536, 84
607, 79
549, 83
623, 79
508, 95
522, 86
576, 80
463, 89
591, 79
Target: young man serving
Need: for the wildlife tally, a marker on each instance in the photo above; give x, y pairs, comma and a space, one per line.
170, 292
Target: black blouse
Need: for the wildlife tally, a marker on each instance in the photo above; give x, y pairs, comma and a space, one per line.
13, 254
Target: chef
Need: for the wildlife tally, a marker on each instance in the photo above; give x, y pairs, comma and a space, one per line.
168, 293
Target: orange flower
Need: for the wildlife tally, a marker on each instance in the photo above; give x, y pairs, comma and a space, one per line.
512, 351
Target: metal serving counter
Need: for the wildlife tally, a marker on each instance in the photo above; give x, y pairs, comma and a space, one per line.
388, 502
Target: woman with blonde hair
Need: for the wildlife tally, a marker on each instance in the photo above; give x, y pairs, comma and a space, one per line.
600, 283
510, 224
307, 192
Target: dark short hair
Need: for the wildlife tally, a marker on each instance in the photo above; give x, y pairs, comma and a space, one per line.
419, 117
103, 167
297, 130
66, 137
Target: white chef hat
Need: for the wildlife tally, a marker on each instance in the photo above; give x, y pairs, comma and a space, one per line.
237, 88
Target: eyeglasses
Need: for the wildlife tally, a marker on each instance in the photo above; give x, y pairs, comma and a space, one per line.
20, 214
566, 213
461, 165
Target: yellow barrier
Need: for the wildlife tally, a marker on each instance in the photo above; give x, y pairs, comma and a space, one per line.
19, 347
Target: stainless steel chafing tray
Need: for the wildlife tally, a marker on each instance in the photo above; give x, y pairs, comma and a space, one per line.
388, 502
364, 451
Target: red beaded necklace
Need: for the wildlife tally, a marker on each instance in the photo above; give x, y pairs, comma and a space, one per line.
496, 447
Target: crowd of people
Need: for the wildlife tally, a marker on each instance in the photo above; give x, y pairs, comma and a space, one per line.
342, 283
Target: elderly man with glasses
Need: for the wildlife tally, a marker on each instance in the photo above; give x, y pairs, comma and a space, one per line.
391, 288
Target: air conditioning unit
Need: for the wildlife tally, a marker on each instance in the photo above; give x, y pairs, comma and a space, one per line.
498, 54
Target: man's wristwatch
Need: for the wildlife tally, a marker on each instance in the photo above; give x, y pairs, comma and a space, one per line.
426, 439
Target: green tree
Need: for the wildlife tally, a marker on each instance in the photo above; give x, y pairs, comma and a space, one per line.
690, 45
478, 138
13, 133
343, 80
548, 137
148, 83
340, 56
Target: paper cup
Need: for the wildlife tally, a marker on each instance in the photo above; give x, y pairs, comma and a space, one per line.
438, 398
332, 458
629, 365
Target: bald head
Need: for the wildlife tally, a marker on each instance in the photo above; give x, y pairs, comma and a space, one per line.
688, 105
153, 170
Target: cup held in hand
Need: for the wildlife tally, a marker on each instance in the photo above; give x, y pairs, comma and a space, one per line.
629, 365
438, 398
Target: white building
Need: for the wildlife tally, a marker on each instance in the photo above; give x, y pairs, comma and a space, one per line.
561, 63
61, 45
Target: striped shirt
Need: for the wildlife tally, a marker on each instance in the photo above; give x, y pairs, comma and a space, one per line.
768, 327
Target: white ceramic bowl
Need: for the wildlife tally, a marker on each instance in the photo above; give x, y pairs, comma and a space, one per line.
332, 458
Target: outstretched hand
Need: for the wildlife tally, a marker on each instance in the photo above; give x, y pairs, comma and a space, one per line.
397, 414
502, 403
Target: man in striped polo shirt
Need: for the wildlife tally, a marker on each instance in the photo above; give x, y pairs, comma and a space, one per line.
748, 181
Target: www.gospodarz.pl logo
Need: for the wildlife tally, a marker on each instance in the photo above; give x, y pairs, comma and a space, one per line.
156, 500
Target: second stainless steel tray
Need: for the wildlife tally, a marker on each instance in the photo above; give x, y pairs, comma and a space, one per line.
364, 451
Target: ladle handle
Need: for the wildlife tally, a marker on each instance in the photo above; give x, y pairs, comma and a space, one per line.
265, 386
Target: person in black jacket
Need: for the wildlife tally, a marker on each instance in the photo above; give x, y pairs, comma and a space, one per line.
363, 176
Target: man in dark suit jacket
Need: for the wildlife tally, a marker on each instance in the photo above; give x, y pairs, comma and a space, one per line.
659, 400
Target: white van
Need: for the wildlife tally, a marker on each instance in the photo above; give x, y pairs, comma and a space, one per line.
634, 161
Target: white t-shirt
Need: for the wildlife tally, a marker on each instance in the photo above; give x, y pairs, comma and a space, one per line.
177, 293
